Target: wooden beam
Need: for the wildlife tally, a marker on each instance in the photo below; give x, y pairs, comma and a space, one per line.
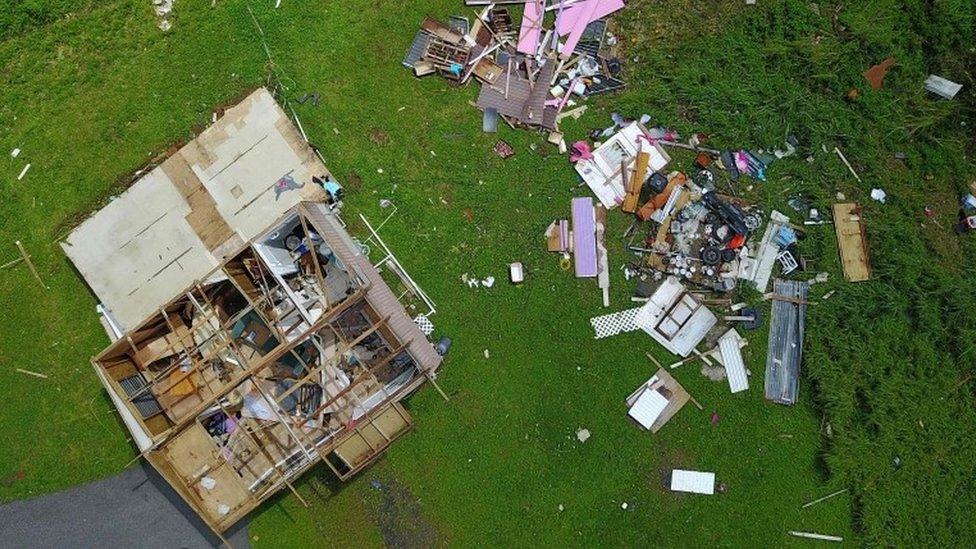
360, 378
30, 264
262, 362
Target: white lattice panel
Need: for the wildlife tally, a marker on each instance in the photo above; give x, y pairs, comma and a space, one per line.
425, 325
614, 323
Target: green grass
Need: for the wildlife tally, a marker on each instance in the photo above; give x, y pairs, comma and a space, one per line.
92, 96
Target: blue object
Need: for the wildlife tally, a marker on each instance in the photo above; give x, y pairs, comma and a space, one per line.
785, 237
333, 188
456, 69
969, 201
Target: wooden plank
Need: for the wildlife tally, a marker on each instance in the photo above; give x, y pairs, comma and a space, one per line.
852, 241
636, 182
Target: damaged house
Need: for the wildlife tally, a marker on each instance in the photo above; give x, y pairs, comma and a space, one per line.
252, 336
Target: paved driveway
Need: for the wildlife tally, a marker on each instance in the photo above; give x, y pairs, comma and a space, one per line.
135, 508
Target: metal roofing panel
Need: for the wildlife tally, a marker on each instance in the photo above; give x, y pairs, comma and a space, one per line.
417, 48
494, 95
735, 369
785, 342
696, 482
648, 407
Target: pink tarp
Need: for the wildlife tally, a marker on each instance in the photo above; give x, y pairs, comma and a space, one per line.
530, 33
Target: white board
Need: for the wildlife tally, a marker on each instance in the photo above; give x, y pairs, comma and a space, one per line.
648, 407
735, 368
695, 482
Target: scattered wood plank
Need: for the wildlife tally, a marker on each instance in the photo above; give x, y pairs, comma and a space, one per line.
818, 500
11, 263
812, 535
30, 373
33, 269
852, 241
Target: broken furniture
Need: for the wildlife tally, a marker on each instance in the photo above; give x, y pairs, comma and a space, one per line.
604, 174
656, 401
675, 318
785, 341
852, 242
757, 267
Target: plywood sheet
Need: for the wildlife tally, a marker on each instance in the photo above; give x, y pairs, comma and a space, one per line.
852, 241
179, 221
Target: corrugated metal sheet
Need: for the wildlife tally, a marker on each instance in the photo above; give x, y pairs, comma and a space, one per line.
526, 101
785, 342
417, 48
735, 369
695, 482
494, 96
379, 295
535, 105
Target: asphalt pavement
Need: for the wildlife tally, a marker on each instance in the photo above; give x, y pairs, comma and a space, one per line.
135, 508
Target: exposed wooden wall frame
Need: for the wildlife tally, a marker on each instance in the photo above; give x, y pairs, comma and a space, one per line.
207, 340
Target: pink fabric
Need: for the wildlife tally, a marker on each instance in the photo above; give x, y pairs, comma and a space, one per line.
580, 151
742, 162
531, 30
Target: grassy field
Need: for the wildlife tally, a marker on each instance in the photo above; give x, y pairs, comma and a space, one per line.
91, 91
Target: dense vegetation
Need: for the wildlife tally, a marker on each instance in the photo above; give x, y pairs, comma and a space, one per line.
892, 361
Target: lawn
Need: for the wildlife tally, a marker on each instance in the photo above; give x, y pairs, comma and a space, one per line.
92, 91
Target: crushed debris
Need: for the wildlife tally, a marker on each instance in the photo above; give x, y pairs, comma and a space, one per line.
532, 74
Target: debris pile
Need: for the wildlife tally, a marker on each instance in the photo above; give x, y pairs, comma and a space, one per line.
531, 75
692, 241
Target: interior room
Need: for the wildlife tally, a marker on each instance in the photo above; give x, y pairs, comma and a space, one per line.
188, 352
305, 266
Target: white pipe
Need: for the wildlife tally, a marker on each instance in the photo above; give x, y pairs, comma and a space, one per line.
423, 295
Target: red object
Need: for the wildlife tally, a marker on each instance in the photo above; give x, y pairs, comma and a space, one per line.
703, 160
736, 242
876, 74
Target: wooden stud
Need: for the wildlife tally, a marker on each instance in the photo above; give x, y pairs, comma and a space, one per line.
30, 264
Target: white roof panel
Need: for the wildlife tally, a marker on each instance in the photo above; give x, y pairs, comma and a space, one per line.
648, 407
187, 215
695, 482
735, 369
